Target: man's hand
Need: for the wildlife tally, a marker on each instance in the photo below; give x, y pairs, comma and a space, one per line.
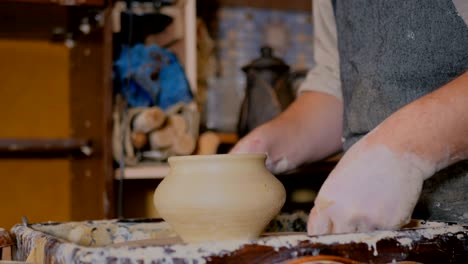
309, 130
371, 188
378, 182
262, 140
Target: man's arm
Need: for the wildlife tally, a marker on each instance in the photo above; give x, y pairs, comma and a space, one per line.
433, 128
377, 183
309, 130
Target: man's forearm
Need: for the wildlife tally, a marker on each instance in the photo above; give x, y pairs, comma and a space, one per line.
433, 128
311, 127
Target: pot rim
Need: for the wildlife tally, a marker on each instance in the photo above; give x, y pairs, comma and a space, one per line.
237, 156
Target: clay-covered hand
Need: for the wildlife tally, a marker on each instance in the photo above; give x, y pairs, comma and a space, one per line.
264, 139
372, 188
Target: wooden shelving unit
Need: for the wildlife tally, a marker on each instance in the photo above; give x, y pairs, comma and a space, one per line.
60, 97
183, 29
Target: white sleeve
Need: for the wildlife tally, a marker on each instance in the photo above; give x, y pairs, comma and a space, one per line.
325, 75
462, 9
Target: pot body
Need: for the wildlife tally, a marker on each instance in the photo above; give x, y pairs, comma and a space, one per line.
219, 197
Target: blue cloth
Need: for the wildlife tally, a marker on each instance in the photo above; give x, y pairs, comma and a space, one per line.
151, 76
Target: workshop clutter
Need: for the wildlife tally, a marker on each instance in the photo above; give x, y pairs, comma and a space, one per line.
155, 114
158, 117
151, 134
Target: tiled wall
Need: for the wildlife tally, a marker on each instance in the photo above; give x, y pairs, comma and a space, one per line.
240, 34
242, 31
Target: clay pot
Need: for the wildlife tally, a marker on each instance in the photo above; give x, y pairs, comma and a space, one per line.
219, 197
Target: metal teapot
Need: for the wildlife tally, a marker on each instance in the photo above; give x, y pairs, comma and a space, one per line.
268, 91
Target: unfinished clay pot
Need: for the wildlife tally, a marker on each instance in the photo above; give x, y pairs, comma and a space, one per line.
219, 197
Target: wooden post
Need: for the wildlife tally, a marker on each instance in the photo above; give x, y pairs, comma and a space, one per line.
91, 117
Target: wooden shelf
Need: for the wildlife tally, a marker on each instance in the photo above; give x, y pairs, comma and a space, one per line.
44, 147
63, 2
159, 171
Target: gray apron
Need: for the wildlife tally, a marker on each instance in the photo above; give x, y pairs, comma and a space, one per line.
392, 53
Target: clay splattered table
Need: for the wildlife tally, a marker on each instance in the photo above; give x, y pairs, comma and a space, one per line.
153, 241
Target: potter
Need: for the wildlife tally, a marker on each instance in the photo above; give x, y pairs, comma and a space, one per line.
219, 197
389, 91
